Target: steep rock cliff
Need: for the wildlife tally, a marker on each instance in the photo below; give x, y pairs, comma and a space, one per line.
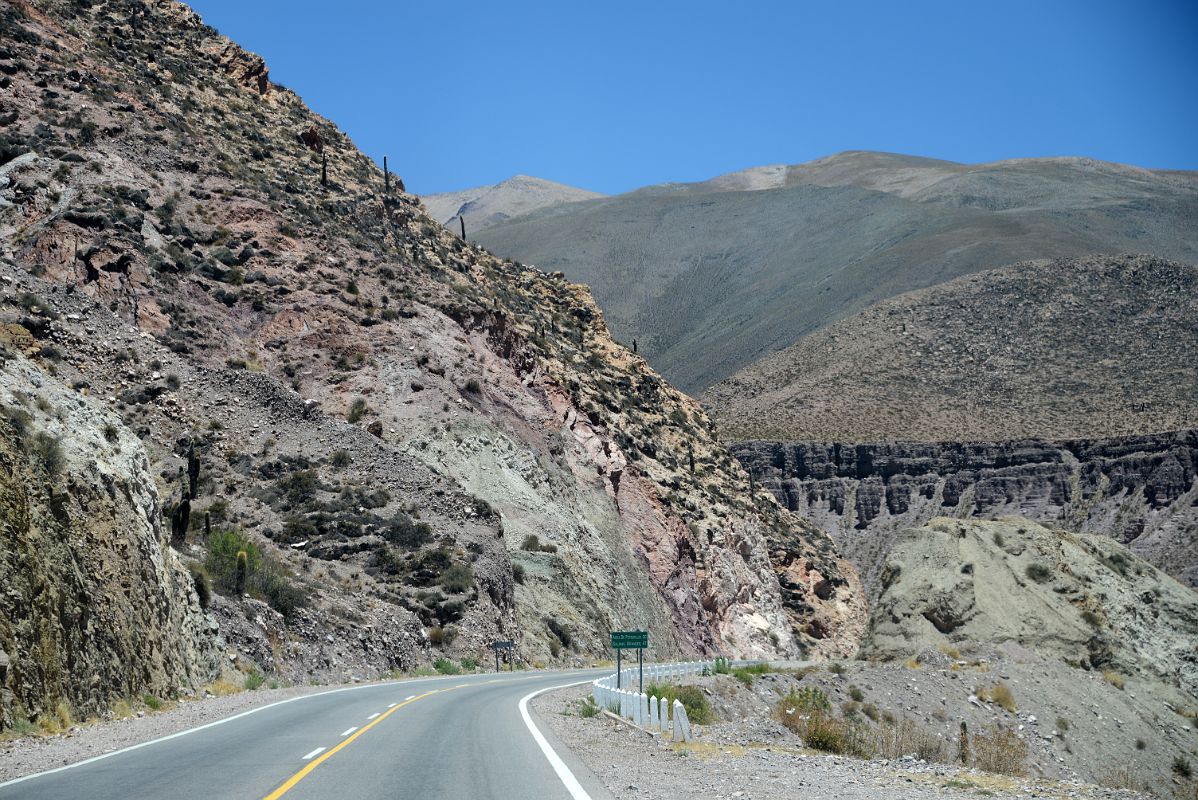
1141, 490
95, 605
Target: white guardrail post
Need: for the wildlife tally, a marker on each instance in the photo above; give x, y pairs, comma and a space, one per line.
652, 713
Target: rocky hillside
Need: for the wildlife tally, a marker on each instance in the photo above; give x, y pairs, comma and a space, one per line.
96, 606
485, 206
421, 447
1140, 490
1075, 348
711, 277
1085, 600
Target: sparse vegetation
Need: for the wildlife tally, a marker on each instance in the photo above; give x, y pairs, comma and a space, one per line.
698, 708
999, 694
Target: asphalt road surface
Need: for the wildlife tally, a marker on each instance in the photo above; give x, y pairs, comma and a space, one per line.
467, 736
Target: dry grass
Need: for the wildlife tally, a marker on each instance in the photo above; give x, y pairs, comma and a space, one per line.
222, 687
951, 652
1000, 694
1113, 678
999, 750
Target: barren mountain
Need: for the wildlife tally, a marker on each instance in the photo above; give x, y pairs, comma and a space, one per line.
376, 443
1073, 348
713, 276
485, 206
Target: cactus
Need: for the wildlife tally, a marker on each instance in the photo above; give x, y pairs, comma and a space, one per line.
180, 520
324, 169
963, 744
386, 178
242, 569
463, 221
634, 346
690, 454
193, 471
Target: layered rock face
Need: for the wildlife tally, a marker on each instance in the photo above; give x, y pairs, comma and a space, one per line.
1082, 599
1141, 490
95, 605
389, 413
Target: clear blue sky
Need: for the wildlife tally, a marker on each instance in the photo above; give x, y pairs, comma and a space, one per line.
612, 95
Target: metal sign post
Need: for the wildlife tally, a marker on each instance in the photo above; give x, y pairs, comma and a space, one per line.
500, 645
630, 640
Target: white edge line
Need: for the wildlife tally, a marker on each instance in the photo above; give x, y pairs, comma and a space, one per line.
563, 772
213, 724
348, 732
313, 754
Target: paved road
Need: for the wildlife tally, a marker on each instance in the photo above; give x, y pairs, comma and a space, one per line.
455, 737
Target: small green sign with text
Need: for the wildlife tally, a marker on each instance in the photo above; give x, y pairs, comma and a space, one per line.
628, 640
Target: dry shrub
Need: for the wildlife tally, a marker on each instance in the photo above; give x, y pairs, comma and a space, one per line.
1113, 678
1000, 694
904, 738
999, 750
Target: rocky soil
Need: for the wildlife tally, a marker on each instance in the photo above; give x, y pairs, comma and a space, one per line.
381, 415
1079, 731
1141, 490
1083, 600
1089, 347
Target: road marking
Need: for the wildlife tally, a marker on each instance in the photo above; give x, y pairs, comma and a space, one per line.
391, 705
375, 714
303, 773
409, 697
567, 777
314, 753
348, 732
212, 724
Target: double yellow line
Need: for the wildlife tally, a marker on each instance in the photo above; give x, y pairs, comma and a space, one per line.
303, 773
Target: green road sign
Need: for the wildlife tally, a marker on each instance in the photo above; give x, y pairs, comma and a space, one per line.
629, 640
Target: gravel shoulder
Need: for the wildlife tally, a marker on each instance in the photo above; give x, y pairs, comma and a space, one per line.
756, 757
32, 754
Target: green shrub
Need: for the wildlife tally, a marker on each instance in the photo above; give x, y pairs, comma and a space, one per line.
746, 675
203, 591
457, 578
446, 667
340, 459
152, 702
469, 663
518, 573
357, 410
254, 680
698, 709
806, 699
406, 532
856, 694
223, 547
1182, 767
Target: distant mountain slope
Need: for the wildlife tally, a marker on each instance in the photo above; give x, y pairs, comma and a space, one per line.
1074, 348
710, 277
484, 206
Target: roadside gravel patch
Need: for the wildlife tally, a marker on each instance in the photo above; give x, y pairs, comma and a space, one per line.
39, 753
759, 759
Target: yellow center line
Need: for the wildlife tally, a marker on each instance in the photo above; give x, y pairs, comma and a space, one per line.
303, 773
